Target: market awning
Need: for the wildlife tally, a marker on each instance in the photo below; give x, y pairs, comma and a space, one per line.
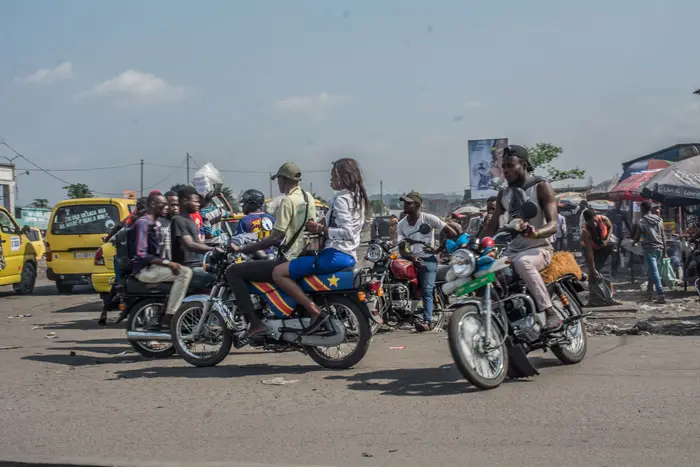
630, 189
677, 185
601, 191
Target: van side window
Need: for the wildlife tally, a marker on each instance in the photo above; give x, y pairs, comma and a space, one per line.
6, 224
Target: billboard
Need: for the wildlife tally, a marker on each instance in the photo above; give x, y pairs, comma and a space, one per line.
485, 166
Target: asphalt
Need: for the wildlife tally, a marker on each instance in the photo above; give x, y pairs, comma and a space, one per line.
84, 397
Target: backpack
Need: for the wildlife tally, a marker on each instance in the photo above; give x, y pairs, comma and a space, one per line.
121, 243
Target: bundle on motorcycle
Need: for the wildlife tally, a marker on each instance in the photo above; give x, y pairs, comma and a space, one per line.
496, 323
207, 326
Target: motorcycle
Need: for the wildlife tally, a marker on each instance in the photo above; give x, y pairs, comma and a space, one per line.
690, 255
491, 335
397, 279
213, 323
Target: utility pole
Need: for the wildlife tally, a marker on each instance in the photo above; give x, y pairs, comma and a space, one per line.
141, 178
187, 178
271, 194
381, 192
311, 187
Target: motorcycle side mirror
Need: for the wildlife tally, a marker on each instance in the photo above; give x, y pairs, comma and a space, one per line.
424, 229
528, 210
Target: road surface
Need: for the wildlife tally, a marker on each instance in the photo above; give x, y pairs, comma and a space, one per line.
633, 401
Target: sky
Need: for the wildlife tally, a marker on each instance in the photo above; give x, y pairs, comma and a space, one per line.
400, 85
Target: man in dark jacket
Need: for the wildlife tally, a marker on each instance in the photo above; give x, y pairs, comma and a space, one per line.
650, 231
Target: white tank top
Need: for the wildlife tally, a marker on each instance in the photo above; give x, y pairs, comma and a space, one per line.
520, 243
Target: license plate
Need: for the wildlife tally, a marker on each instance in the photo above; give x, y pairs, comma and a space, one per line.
84, 254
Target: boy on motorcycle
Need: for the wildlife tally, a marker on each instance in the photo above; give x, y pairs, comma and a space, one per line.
532, 251
295, 209
145, 243
255, 221
425, 259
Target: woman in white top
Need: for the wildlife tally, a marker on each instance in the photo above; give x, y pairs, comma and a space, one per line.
341, 230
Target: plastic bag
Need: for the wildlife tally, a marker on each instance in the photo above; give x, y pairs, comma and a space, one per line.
668, 277
601, 293
206, 179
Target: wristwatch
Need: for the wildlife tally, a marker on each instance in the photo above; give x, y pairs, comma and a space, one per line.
165, 262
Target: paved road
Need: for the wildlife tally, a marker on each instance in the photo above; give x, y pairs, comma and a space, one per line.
632, 402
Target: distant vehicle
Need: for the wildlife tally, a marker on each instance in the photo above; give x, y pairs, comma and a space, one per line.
381, 228
20, 256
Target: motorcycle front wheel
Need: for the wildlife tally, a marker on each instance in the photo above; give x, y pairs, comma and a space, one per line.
358, 334
211, 346
466, 333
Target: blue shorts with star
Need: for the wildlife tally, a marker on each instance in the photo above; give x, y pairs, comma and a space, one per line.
328, 261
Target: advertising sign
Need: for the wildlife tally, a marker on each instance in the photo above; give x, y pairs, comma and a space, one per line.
485, 166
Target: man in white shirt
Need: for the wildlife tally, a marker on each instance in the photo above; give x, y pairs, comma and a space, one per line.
424, 258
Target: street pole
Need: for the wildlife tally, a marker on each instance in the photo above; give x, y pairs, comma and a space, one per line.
271, 195
381, 193
141, 178
311, 187
187, 178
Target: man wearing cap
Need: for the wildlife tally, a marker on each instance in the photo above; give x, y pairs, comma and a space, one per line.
426, 261
295, 209
531, 251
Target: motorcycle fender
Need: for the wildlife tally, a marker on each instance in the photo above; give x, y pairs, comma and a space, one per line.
497, 317
519, 365
196, 298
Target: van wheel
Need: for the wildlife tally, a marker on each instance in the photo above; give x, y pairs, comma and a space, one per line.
64, 288
26, 286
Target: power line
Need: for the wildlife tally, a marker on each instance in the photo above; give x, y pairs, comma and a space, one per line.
82, 169
4, 143
166, 178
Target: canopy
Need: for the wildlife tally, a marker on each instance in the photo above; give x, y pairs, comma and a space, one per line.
630, 189
466, 210
601, 190
677, 185
570, 198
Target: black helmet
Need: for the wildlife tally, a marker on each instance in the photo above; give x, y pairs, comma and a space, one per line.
254, 198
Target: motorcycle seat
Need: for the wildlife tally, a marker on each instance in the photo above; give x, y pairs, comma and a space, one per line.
134, 286
442, 271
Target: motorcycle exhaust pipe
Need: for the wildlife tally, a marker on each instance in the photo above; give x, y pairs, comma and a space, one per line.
148, 336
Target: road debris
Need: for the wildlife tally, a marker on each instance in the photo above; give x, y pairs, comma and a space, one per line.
10, 347
400, 347
51, 335
279, 381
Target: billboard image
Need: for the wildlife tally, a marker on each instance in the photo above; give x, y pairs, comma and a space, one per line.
485, 166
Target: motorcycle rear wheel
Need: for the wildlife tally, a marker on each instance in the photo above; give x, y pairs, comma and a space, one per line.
184, 323
137, 319
357, 328
573, 353
474, 364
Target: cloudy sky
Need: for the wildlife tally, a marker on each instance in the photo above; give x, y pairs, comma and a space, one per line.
400, 85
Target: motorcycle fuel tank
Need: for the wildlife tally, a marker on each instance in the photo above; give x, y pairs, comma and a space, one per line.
403, 270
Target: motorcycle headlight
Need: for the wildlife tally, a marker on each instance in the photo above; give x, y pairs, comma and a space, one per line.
463, 263
374, 253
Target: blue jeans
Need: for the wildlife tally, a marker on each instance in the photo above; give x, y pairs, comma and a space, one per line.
427, 275
328, 261
653, 259
117, 272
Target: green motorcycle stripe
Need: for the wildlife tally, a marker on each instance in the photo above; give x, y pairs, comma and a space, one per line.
476, 284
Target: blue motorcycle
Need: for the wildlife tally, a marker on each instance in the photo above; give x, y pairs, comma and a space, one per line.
206, 326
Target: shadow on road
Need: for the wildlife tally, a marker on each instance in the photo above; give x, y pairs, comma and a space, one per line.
232, 371
82, 308
79, 325
83, 360
443, 381
47, 291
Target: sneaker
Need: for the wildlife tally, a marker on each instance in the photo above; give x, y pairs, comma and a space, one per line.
661, 300
553, 322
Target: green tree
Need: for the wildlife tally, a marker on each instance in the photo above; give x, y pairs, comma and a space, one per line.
40, 203
78, 190
377, 207
542, 157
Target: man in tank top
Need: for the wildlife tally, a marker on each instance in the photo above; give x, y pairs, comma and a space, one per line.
531, 251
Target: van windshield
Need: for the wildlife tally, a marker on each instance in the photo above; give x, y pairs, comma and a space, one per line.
85, 219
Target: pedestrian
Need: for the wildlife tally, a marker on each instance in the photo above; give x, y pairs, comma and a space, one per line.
561, 233
621, 229
580, 210
650, 231
595, 240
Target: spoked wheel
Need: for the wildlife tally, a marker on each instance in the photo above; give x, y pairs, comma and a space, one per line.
485, 369
140, 314
357, 334
211, 346
575, 350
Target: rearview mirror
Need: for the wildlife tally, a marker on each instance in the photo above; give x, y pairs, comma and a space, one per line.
424, 229
26, 230
528, 210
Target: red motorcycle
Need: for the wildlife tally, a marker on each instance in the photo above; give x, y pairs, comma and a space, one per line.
397, 290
